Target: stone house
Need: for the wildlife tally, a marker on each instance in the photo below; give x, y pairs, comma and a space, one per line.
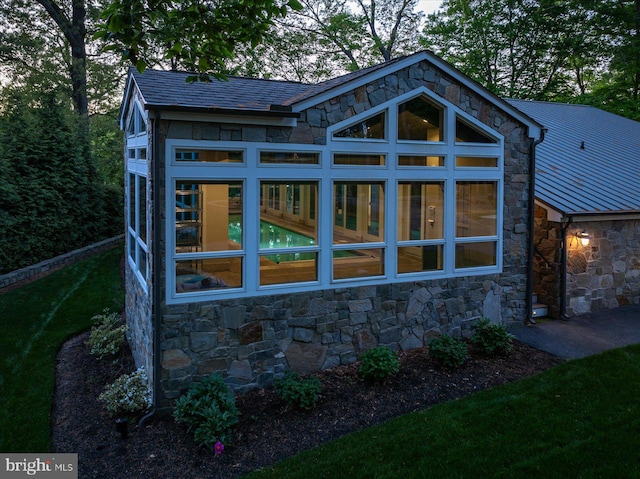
275, 225
587, 217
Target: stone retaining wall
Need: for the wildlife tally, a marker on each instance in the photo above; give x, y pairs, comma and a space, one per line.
30, 273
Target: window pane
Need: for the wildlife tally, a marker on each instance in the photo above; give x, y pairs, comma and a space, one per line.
358, 214
132, 201
142, 154
208, 274
358, 263
414, 259
288, 268
420, 210
289, 157
468, 133
464, 161
210, 156
132, 247
287, 214
358, 160
406, 160
142, 262
476, 208
372, 127
208, 216
469, 255
132, 154
421, 120
142, 208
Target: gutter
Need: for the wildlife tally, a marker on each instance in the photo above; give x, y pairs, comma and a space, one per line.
155, 276
532, 209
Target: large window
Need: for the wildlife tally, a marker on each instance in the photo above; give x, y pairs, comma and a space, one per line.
209, 235
288, 233
408, 191
137, 224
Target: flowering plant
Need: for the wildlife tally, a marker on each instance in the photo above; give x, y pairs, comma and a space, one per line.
218, 448
129, 395
107, 334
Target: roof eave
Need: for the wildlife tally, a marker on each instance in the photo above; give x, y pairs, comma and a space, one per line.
275, 111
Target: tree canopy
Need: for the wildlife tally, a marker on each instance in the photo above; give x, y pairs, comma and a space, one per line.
198, 35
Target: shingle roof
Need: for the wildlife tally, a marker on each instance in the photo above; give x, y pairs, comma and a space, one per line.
171, 89
589, 161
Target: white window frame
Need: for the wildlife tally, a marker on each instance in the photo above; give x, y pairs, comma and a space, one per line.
251, 172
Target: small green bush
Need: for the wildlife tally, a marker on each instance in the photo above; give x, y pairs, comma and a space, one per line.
491, 339
297, 391
209, 409
448, 351
378, 364
128, 396
107, 335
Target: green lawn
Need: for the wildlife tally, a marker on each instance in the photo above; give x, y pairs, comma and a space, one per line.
578, 420
35, 320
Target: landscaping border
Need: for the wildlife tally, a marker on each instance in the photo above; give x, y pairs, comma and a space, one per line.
31, 273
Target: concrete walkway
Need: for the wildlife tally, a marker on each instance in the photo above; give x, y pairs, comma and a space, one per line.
583, 335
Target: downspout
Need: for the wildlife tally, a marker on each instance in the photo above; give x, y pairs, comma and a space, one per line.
563, 269
532, 209
155, 273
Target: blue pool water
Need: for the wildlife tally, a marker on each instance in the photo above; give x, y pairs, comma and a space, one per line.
271, 236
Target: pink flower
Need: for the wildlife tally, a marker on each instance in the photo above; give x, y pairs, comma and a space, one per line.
218, 448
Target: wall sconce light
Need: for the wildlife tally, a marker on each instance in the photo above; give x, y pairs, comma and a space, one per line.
584, 237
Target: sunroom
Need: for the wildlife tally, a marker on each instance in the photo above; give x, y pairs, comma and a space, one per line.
410, 190
276, 225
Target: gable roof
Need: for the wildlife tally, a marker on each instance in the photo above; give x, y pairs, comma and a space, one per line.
169, 90
589, 162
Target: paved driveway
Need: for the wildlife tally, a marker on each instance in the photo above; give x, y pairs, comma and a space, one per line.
583, 335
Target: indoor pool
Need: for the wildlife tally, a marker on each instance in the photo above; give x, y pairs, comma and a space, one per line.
271, 236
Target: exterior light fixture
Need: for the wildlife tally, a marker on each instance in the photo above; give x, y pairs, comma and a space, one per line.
584, 237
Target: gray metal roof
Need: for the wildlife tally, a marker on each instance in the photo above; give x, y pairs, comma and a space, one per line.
589, 161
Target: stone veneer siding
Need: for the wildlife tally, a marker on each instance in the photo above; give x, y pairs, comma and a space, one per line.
252, 340
604, 274
546, 261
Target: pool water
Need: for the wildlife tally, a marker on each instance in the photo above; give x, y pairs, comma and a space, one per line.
271, 236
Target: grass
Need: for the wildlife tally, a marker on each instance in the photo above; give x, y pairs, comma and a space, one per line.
578, 420
35, 320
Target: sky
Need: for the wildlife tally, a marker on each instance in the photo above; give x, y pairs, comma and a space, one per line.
428, 6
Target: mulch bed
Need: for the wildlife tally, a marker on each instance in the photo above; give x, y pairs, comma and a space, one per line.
269, 431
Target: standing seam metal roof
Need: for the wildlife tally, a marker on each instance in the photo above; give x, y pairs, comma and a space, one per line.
589, 161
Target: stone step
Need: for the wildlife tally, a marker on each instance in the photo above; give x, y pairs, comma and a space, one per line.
540, 310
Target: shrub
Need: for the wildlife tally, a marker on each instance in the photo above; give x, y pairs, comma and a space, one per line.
128, 396
297, 391
107, 334
491, 339
448, 351
209, 409
378, 364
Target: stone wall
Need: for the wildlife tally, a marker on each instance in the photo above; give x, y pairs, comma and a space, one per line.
605, 273
138, 311
251, 341
30, 273
546, 261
